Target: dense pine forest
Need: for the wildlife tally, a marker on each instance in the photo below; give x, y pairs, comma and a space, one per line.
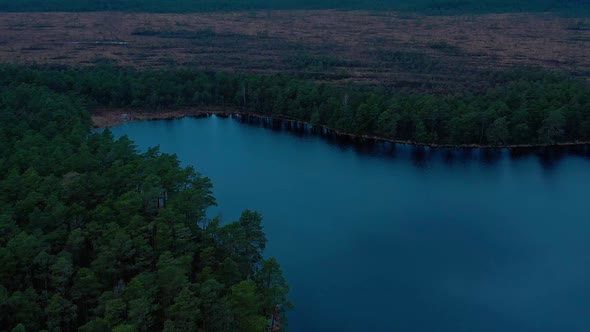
98, 235
520, 107
95, 236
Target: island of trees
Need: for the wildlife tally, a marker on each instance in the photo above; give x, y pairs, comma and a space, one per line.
95, 236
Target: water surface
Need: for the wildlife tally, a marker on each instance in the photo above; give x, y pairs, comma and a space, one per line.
402, 239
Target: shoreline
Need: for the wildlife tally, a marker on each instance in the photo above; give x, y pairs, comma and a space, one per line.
110, 117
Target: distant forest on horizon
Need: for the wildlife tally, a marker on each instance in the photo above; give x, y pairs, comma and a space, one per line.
571, 7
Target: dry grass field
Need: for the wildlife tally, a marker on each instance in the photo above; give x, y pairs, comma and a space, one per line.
438, 53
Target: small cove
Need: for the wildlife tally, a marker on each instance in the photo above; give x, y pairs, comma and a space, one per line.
399, 238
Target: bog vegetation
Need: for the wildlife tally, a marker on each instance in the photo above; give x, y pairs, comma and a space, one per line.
427, 6
95, 236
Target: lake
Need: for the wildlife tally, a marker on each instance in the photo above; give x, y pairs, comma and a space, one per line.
398, 238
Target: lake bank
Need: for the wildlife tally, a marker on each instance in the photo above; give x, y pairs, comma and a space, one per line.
103, 118
418, 239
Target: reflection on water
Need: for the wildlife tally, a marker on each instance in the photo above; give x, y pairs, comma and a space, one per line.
420, 154
374, 236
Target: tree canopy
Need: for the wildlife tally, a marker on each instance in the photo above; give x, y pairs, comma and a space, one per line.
521, 107
95, 236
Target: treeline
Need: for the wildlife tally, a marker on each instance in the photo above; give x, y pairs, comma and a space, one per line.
424, 6
95, 236
524, 107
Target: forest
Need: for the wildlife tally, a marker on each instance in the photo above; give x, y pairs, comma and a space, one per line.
96, 236
520, 107
574, 7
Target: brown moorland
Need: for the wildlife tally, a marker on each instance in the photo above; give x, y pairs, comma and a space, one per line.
433, 53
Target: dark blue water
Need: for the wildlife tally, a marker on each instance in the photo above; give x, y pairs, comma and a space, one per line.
403, 240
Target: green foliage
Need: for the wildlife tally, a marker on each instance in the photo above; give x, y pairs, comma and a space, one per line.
185, 313
309, 62
95, 236
409, 60
524, 107
580, 25
19, 328
244, 303
444, 46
